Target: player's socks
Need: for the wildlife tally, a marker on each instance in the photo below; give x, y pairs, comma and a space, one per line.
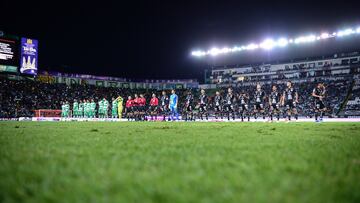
296, 116
271, 117
321, 116
289, 117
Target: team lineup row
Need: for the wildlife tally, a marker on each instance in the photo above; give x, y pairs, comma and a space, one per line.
275, 105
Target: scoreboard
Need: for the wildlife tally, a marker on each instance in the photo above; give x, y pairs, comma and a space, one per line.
18, 55
9, 55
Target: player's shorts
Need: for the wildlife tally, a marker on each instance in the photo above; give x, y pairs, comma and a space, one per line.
173, 109
290, 104
189, 108
129, 109
228, 107
259, 106
274, 107
153, 108
164, 109
319, 105
243, 107
217, 108
141, 108
135, 108
202, 108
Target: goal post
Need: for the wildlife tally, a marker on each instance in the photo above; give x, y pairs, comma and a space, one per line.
47, 113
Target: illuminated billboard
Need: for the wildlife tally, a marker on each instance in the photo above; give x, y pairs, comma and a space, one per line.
29, 56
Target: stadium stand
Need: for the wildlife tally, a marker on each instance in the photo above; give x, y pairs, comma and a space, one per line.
20, 97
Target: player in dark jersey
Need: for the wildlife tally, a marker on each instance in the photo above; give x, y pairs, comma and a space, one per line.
259, 102
153, 108
290, 100
229, 102
129, 108
274, 101
189, 106
203, 101
319, 95
243, 101
217, 105
164, 105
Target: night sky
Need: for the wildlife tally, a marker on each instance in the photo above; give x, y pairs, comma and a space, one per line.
153, 39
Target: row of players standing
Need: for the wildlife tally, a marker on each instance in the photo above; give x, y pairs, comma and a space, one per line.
276, 104
89, 109
228, 106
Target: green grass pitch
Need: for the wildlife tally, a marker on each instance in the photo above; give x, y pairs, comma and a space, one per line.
179, 162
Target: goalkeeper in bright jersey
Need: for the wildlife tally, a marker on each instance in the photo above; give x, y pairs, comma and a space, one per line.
114, 108
75, 109
120, 101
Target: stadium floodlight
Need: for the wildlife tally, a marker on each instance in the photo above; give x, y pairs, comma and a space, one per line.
198, 53
282, 42
214, 51
235, 49
252, 46
269, 44
345, 32
324, 35
358, 30
305, 39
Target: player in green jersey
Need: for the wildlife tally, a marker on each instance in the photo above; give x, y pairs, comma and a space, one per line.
66, 109
75, 109
81, 109
62, 109
114, 108
88, 109
92, 108
101, 109
105, 107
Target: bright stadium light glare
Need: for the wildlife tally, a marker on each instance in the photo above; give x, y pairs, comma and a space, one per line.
269, 44
324, 35
345, 32
282, 42
305, 39
252, 46
214, 51
225, 50
235, 49
198, 53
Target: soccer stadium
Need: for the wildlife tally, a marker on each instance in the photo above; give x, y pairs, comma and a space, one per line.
107, 108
